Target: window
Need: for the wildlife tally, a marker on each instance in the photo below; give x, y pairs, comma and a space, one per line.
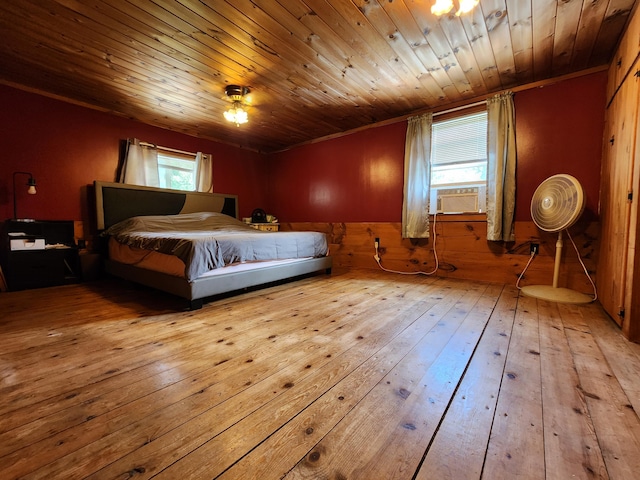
176, 170
153, 166
459, 164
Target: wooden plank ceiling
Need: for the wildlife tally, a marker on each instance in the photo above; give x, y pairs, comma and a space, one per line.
315, 67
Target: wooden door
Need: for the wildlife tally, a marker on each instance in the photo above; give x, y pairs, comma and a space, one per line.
631, 321
615, 205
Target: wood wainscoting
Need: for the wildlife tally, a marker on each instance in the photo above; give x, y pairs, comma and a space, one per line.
463, 250
359, 375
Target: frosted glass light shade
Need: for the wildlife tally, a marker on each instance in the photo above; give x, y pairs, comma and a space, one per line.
236, 114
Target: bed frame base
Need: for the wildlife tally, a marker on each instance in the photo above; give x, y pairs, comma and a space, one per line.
118, 201
204, 287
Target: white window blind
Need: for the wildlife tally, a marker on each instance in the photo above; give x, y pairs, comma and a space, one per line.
460, 140
459, 150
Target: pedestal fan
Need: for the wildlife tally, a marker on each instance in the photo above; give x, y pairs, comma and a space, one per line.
556, 205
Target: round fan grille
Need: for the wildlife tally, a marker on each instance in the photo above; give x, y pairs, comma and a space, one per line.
557, 203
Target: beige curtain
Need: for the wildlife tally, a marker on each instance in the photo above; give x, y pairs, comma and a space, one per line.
140, 165
204, 172
417, 177
501, 167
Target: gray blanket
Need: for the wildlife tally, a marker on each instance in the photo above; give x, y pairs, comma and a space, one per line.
208, 240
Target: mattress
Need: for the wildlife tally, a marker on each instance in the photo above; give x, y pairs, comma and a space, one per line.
172, 265
205, 241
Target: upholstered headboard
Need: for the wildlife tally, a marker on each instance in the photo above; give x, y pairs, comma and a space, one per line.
118, 201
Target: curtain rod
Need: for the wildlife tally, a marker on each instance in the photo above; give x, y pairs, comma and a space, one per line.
462, 107
167, 149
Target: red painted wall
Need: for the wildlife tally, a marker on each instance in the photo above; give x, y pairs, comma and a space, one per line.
67, 147
559, 129
355, 178
359, 177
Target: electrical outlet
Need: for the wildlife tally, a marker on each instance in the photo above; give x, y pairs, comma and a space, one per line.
534, 248
377, 242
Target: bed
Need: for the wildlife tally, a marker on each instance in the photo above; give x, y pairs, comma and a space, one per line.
141, 228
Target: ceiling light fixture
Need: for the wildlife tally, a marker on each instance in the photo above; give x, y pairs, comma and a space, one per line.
441, 7
236, 114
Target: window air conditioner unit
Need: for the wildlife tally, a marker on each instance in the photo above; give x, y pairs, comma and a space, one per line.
457, 200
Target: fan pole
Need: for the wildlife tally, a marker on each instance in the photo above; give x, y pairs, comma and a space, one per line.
556, 265
554, 293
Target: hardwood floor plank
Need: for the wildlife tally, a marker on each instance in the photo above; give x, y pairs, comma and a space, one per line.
219, 350
395, 458
234, 343
361, 375
275, 457
516, 448
460, 444
231, 444
101, 363
102, 359
622, 356
122, 430
571, 446
405, 406
616, 423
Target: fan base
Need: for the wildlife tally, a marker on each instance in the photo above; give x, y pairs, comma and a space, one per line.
555, 294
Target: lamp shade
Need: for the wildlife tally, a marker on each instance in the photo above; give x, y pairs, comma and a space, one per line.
31, 190
32, 186
236, 114
442, 7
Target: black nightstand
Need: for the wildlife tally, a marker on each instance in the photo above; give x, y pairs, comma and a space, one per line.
37, 267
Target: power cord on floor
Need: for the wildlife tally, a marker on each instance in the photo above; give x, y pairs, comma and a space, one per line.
586, 272
533, 254
435, 255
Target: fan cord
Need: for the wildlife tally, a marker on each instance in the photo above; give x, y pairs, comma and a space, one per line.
435, 255
533, 254
586, 272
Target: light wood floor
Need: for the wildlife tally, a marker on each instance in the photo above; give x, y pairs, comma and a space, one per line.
360, 375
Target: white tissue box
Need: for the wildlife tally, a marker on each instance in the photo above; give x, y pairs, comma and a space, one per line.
27, 244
